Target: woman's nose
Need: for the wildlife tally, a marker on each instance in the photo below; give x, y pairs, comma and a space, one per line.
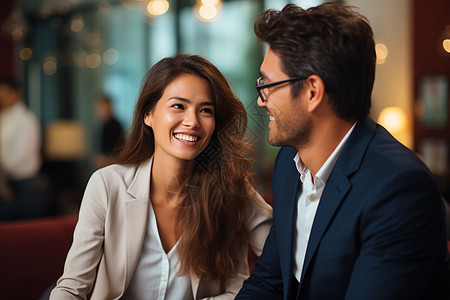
191, 119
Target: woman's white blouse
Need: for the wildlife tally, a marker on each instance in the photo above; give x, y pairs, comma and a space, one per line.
156, 276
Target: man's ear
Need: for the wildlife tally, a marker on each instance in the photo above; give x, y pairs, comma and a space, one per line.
316, 91
148, 119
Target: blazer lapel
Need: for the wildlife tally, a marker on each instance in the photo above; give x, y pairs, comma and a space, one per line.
338, 184
136, 215
336, 188
287, 254
288, 226
285, 200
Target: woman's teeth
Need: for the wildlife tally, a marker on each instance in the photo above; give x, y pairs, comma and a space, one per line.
271, 118
186, 138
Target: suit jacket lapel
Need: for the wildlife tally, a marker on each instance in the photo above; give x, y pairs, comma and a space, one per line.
338, 184
289, 205
285, 200
336, 188
136, 216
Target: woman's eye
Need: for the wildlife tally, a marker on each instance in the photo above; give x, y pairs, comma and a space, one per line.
207, 110
179, 106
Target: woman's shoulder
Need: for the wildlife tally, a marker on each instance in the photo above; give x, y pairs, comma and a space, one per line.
117, 172
119, 176
259, 222
259, 206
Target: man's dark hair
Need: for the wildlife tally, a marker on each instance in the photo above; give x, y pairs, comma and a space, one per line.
10, 82
332, 41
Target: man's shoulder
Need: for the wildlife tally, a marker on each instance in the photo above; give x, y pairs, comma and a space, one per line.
287, 153
385, 150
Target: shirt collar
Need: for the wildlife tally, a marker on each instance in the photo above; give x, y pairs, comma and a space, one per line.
324, 171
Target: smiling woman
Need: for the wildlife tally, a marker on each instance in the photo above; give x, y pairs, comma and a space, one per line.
183, 120
173, 218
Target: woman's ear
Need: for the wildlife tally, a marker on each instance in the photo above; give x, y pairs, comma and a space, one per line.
148, 119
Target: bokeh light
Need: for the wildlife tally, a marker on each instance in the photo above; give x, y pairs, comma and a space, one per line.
382, 53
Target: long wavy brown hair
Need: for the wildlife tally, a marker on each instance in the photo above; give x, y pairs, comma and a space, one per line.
216, 197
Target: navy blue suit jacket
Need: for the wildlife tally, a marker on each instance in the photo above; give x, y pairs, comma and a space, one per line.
378, 233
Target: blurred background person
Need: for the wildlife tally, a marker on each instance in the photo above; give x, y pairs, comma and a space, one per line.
111, 132
20, 156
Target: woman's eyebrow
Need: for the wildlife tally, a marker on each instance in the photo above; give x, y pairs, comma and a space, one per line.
189, 101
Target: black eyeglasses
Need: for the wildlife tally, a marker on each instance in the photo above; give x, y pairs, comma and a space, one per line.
260, 86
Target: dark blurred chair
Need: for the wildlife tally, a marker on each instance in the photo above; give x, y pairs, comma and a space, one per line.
32, 255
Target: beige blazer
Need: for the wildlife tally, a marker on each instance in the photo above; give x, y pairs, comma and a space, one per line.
110, 232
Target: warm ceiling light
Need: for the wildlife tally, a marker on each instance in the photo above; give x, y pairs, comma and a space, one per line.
25, 54
50, 65
393, 119
17, 33
210, 2
446, 45
157, 7
443, 42
382, 53
93, 60
77, 24
207, 10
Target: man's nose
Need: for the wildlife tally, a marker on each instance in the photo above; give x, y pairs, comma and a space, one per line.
260, 102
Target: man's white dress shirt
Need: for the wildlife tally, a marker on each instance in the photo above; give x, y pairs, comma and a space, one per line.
308, 201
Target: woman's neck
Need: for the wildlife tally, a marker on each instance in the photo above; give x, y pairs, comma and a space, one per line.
168, 178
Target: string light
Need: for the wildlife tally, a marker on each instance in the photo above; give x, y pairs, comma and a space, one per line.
50, 65
157, 7
93, 61
207, 10
26, 53
382, 53
446, 45
77, 24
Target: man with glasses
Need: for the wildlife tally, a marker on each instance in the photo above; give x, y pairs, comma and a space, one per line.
356, 214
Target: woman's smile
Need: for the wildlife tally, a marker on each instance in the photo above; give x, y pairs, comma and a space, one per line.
186, 137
